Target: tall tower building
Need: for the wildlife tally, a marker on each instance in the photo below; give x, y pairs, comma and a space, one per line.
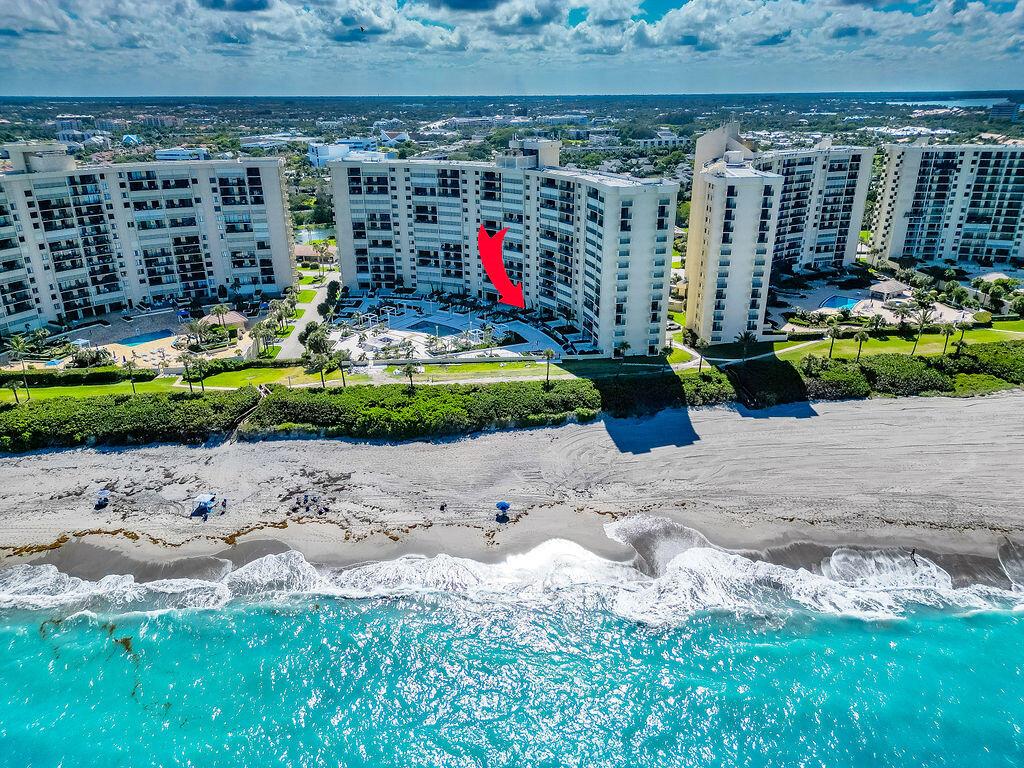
80, 241
590, 248
733, 215
951, 203
821, 206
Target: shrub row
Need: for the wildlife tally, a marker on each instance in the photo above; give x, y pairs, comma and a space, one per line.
395, 411
121, 419
768, 382
70, 377
630, 395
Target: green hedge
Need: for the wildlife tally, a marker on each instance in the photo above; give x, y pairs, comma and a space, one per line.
70, 377
839, 381
395, 411
1003, 359
630, 395
903, 375
121, 419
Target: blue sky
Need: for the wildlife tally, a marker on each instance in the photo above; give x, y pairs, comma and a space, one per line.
386, 47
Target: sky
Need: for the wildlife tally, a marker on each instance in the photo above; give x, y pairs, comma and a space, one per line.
522, 47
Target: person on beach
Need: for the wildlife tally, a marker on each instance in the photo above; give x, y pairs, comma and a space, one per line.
912, 558
223, 505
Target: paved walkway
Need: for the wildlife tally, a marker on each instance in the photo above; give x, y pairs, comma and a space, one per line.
290, 346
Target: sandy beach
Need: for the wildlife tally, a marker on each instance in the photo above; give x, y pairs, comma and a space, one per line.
938, 474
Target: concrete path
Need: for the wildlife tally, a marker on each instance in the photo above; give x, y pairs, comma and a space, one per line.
290, 346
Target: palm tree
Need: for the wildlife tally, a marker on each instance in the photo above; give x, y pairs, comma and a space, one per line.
342, 356
623, 348
319, 363
700, 345
902, 312
947, 330
19, 348
14, 385
875, 322
747, 338
548, 355
130, 366
219, 311
834, 332
860, 337
193, 328
186, 357
924, 317
408, 370
963, 326
266, 335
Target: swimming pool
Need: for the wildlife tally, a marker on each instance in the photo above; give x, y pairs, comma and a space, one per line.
424, 326
839, 302
142, 338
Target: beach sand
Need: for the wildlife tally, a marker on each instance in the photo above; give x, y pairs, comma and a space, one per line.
941, 475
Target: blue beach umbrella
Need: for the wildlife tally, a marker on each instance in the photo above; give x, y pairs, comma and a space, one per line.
503, 506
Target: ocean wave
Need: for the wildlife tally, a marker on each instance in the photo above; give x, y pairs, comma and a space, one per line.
677, 573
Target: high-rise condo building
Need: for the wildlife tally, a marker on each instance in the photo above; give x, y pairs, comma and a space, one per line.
80, 241
590, 248
733, 213
821, 206
951, 203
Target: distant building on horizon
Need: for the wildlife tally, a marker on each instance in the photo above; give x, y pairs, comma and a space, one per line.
182, 153
321, 154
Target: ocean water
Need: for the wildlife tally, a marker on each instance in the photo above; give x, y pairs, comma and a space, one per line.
551, 658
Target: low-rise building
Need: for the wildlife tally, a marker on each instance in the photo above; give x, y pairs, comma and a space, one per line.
182, 153
321, 154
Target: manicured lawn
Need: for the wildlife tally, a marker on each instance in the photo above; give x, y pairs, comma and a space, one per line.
735, 351
271, 352
299, 312
256, 376
163, 384
304, 297
283, 332
310, 279
461, 371
575, 368
931, 344
1009, 325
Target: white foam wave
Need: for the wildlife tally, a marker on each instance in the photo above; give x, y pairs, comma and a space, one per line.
558, 574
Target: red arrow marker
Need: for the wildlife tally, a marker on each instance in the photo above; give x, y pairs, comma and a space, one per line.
494, 265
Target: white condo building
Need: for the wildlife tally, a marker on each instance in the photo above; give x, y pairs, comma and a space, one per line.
951, 203
593, 249
821, 205
80, 241
733, 214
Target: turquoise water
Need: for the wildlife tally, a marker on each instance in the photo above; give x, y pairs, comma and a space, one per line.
554, 659
839, 302
437, 328
142, 338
